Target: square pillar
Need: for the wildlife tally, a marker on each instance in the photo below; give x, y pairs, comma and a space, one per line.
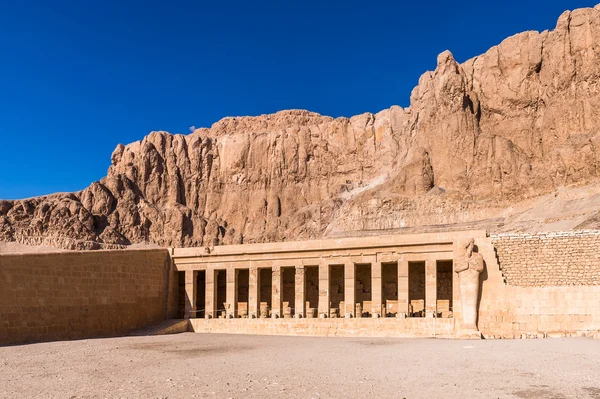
190, 294
403, 287
349, 289
209, 299
231, 292
300, 292
276, 292
376, 290
323, 289
430, 288
456, 306
253, 292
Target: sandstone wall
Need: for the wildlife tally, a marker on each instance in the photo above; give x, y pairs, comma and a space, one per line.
543, 285
541, 311
342, 327
550, 259
71, 295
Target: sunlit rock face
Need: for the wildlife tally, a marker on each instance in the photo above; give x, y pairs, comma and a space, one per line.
515, 123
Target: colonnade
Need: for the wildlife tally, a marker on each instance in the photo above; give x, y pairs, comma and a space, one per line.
381, 305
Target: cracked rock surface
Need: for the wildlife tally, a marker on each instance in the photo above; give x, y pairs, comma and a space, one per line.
480, 140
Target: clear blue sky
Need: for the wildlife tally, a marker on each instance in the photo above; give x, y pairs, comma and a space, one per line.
79, 77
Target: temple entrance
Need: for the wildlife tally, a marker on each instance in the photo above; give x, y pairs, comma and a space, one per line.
336, 291
220, 293
311, 276
389, 288
200, 294
288, 291
416, 289
243, 292
265, 291
444, 288
363, 290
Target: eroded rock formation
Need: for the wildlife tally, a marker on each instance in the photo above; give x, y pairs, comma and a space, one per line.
517, 122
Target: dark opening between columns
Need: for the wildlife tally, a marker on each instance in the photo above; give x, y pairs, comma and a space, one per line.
416, 289
362, 288
389, 288
444, 288
200, 294
265, 291
336, 290
288, 291
311, 276
181, 295
243, 291
221, 292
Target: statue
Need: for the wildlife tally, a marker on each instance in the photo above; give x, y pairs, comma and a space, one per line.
468, 267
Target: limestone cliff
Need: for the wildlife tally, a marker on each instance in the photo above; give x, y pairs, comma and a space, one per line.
518, 122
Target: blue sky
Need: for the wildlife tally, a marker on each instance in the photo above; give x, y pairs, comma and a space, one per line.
79, 77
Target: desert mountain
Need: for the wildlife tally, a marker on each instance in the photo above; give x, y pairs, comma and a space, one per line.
507, 140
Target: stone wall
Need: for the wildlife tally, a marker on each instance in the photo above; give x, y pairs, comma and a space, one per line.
550, 259
342, 327
71, 295
541, 311
556, 309
552, 288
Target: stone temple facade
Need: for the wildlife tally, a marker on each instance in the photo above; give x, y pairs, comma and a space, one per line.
398, 277
455, 284
433, 284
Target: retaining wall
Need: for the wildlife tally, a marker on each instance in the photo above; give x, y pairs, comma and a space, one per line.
342, 327
549, 259
541, 284
70, 295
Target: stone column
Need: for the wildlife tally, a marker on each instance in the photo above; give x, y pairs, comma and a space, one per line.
376, 289
190, 294
349, 289
210, 294
253, 293
430, 288
231, 293
403, 287
300, 292
276, 292
456, 304
323, 289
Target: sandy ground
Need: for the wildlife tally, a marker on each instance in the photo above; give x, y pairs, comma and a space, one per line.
238, 366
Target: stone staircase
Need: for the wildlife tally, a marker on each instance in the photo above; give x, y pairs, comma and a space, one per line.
488, 251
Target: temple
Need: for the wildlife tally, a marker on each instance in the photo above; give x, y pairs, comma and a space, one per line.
378, 277
453, 284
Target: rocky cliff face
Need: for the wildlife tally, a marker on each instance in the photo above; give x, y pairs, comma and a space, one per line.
517, 122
